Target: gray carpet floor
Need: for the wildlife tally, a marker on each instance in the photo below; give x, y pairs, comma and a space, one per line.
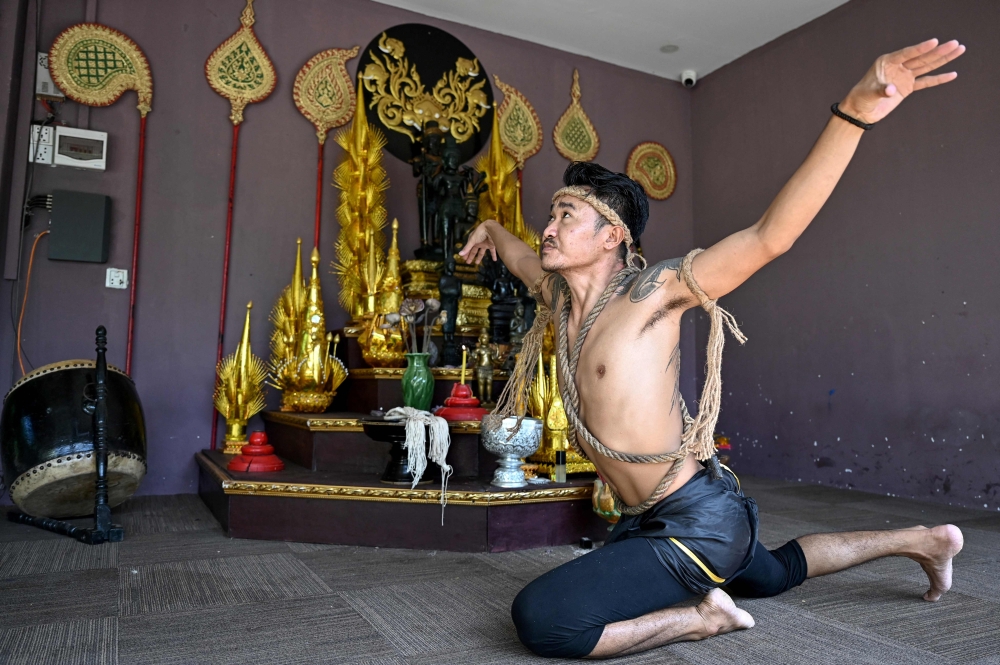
177, 590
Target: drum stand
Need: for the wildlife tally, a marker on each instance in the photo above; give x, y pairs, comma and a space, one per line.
103, 530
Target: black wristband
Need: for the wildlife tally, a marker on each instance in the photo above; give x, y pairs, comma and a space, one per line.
854, 121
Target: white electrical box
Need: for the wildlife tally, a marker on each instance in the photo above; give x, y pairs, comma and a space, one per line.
80, 148
117, 278
42, 144
45, 88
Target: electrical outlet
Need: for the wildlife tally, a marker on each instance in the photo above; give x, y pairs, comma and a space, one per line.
117, 278
41, 149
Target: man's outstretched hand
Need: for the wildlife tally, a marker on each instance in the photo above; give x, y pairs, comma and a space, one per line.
478, 245
895, 75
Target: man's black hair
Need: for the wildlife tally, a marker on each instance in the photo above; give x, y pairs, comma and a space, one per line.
624, 195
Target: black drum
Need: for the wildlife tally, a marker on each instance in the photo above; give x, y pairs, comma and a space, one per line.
47, 439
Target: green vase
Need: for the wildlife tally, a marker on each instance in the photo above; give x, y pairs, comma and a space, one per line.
418, 382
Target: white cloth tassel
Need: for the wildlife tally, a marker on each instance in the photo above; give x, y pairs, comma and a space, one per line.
416, 437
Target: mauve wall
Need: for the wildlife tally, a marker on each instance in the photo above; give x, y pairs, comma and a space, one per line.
872, 353
187, 172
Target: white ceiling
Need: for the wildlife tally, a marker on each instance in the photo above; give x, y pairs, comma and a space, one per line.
710, 33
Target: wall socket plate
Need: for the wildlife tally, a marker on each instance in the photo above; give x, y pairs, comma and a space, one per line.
117, 278
42, 144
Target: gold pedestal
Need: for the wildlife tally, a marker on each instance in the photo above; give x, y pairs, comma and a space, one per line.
575, 463
420, 280
236, 437
305, 402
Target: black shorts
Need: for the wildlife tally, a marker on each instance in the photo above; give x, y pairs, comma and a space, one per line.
701, 537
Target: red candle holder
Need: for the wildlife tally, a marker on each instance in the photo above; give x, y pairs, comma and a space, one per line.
257, 456
461, 405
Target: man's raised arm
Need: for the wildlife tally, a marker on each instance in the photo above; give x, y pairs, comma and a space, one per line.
893, 77
491, 237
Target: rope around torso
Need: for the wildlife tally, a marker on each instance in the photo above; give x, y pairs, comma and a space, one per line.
693, 437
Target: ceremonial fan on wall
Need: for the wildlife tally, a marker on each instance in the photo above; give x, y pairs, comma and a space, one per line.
239, 70
324, 94
574, 135
94, 65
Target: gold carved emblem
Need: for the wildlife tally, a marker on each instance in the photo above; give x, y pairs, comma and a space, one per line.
239, 68
574, 136
520, 128
323, 90
650, 165
94, 65
457, 101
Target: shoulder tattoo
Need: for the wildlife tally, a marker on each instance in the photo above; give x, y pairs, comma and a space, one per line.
652, 278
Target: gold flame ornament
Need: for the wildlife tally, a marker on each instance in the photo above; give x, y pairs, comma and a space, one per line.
556, 427
324, 92
240, 70
303, 365
574, 136
239, 391
94, 65
538, 395
651, 165
457, 101
391, 294
361, 179
501, 199
382, 342
520, 128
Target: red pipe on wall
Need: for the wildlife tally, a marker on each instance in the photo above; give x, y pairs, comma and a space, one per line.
135, 243
319, 194
225, 270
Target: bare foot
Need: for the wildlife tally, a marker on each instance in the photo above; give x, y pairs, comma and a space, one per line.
721, 615
935, 554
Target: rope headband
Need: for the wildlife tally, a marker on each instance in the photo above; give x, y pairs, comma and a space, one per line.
608, 213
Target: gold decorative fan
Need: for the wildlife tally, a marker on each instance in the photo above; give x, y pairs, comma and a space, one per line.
520, 128
239, 68
94, 64
651, 165
324, 92
574, 136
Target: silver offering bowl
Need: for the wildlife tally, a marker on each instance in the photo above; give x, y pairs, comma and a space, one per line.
510, 449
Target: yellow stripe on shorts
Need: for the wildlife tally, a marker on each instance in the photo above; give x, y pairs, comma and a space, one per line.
694, 557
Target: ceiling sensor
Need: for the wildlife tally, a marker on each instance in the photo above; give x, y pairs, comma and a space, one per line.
670, 48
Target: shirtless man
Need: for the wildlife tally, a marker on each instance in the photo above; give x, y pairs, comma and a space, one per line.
701, 533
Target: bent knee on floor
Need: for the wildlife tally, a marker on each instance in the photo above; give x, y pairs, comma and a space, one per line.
550, 629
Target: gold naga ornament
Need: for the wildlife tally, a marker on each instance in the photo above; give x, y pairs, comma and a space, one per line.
94, 65
574, 135
303, 366
382, 344
361, 179
501, 200
457, 102
520, 128
324, 94
240, 70
239, 392
651, 165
